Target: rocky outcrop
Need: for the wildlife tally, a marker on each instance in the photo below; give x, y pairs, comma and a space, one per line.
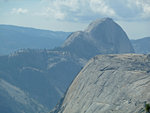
102, 36
110, 84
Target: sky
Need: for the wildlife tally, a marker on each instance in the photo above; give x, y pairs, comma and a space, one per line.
74, 15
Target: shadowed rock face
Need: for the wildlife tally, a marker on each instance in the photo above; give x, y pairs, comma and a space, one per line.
110, 84
15, 100
43, 74
102, 36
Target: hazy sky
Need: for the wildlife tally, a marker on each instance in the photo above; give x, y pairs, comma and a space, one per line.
74, 15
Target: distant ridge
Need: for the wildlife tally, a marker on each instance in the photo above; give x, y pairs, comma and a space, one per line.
141, 45
13, 38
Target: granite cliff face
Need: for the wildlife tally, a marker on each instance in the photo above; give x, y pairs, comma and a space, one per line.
102, 36
110, 84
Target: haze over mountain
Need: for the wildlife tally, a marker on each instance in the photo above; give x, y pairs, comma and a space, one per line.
141, 45
13, 38
46, 74
109, 84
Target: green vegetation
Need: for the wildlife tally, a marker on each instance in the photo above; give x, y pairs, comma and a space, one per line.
147, 108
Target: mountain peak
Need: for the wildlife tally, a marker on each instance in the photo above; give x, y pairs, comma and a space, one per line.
103, 36
99, 22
